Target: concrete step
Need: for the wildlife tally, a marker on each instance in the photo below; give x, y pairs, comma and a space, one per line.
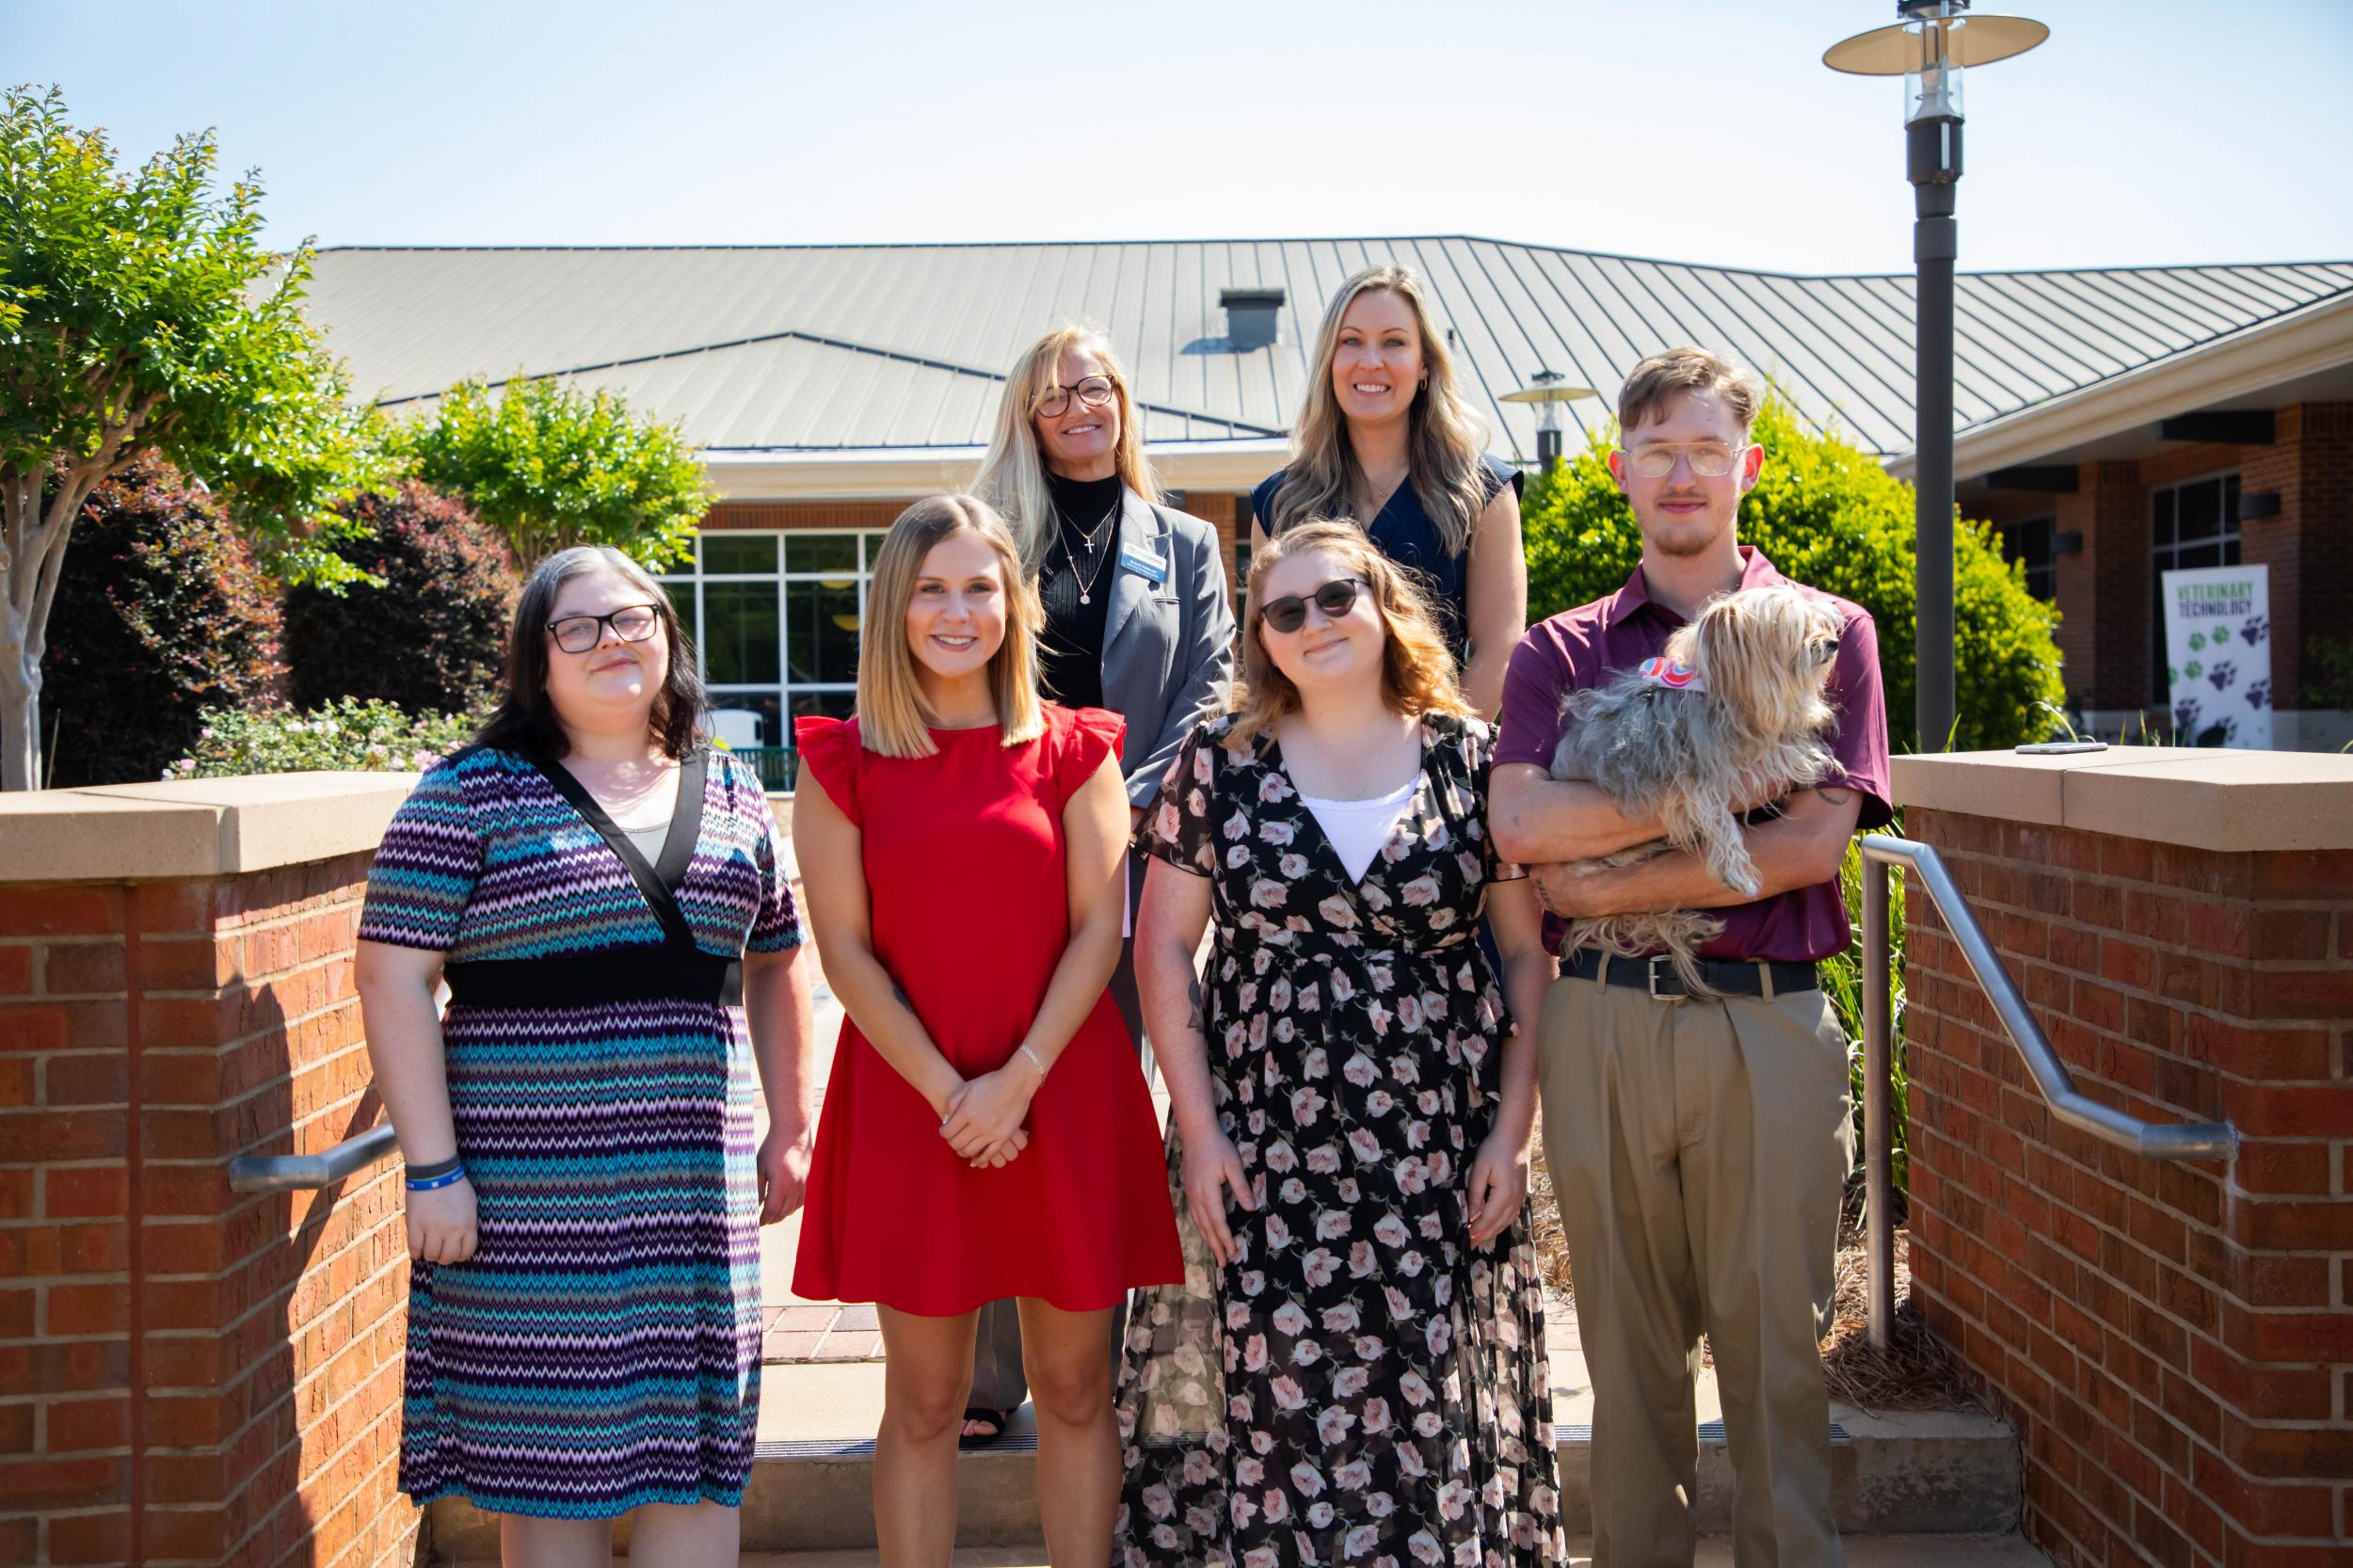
1863, 1551
1947, 1473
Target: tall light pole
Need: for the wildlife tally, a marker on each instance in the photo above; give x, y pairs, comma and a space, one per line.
1928, 48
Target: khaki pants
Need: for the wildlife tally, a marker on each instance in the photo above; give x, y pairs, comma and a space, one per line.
1699, 1150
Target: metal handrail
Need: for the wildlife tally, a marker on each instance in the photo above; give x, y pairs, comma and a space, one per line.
2070, 1105
298, 1173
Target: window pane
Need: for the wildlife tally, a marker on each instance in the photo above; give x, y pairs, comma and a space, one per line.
682, 599
824, 622
832, 705
820, 553
2201, 510
683, 566
739, 640
738, 553
2165, 518
747, 719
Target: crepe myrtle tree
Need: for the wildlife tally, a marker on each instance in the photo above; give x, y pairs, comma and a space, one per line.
551, 466
139, 312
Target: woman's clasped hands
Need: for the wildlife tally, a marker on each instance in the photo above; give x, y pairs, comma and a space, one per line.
982, 1117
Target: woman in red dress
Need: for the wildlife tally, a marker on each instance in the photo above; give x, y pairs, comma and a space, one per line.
986, 1130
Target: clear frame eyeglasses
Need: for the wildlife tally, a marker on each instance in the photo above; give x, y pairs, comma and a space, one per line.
631, 623
1708, 459
1092, 392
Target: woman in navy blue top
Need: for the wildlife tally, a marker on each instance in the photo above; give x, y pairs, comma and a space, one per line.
1385, 437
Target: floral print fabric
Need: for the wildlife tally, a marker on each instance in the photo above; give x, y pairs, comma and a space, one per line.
1360, 1385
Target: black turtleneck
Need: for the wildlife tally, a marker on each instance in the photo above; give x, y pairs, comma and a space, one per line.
1080, 559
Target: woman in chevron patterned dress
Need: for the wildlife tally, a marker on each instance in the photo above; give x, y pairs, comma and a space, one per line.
583, 1192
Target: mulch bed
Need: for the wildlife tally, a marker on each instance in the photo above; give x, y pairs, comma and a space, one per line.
1916, 1372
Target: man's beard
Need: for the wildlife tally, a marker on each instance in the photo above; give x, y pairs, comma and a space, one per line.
1695, 537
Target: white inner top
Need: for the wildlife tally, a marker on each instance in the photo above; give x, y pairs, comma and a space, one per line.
1358, 828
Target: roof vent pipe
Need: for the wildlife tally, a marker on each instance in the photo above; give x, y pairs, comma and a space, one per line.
1250, 317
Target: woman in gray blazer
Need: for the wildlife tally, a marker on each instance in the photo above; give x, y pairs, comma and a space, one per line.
1137, 620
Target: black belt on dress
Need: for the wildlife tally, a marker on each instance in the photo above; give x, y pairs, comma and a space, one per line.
666, 973
1657, 975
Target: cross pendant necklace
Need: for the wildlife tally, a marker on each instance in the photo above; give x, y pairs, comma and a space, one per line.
1086, 584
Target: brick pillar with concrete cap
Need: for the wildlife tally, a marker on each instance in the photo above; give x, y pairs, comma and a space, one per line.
191, 1375
2173, 1340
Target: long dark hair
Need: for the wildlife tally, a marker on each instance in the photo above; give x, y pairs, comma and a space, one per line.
526, 722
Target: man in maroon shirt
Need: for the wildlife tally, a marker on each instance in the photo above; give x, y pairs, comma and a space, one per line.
1699, 1148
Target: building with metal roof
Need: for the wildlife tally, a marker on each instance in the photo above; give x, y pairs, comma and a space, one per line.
828, 384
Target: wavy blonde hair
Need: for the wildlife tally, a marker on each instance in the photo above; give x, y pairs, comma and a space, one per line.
1011, 476
1417, 669
1444, 438
892, 717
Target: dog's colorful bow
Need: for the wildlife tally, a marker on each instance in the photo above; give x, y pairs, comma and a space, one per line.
1659, 670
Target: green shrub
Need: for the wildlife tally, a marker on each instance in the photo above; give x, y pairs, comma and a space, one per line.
433, 637
1842, 982
160, 611
2333, 686
1829, 516
550, 465
346, 736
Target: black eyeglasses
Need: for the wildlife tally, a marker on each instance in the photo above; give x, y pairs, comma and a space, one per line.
631, 623
1334, 599
1092, 390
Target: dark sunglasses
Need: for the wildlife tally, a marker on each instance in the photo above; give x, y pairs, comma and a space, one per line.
1334, 599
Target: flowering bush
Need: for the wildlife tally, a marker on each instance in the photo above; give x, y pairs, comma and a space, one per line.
346, 736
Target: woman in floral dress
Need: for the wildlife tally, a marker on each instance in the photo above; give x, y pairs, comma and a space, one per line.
1353, 1371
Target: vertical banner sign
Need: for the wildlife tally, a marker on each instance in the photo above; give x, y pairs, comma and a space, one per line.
2218, 655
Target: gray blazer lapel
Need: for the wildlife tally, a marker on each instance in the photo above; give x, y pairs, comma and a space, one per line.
1140, 531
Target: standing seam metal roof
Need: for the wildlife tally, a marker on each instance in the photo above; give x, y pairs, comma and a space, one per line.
832, 347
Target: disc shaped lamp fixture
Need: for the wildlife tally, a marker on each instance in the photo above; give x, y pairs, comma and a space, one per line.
1548, 390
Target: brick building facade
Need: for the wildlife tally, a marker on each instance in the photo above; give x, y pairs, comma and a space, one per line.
2093, 526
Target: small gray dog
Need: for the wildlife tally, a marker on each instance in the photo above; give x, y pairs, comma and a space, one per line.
1732, 713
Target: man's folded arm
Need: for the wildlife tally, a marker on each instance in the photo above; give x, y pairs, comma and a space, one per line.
1536, 818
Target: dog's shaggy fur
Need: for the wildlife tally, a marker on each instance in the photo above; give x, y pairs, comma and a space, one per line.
1689, 757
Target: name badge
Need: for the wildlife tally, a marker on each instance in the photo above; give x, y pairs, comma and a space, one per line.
1148, 567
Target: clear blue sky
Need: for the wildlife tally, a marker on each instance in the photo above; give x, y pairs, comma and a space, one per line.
2145, 131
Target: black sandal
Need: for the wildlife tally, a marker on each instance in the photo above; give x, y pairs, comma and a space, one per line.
1001, 1420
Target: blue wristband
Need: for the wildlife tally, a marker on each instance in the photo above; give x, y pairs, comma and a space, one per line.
434, 1183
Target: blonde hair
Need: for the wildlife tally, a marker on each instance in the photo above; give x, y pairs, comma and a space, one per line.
1665, 376
1012, 476
1417, 669
1444, 438
892, 717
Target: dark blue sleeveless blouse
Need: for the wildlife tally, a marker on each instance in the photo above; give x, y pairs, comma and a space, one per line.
1407, 535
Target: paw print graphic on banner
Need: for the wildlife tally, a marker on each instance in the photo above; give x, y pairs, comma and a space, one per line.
2223, 673
2259, 694
2185, 712
2255, 630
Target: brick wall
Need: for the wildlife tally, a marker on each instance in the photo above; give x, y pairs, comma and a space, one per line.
187, 1375
2174, 1341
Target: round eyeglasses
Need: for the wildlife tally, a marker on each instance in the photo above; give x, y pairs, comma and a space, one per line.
1290, 613
1092, 392
631, 623
1708, 459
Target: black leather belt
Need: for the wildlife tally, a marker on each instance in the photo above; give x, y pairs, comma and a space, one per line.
1657, 975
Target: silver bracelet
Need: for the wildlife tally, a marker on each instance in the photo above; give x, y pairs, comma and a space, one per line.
1035, 1061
